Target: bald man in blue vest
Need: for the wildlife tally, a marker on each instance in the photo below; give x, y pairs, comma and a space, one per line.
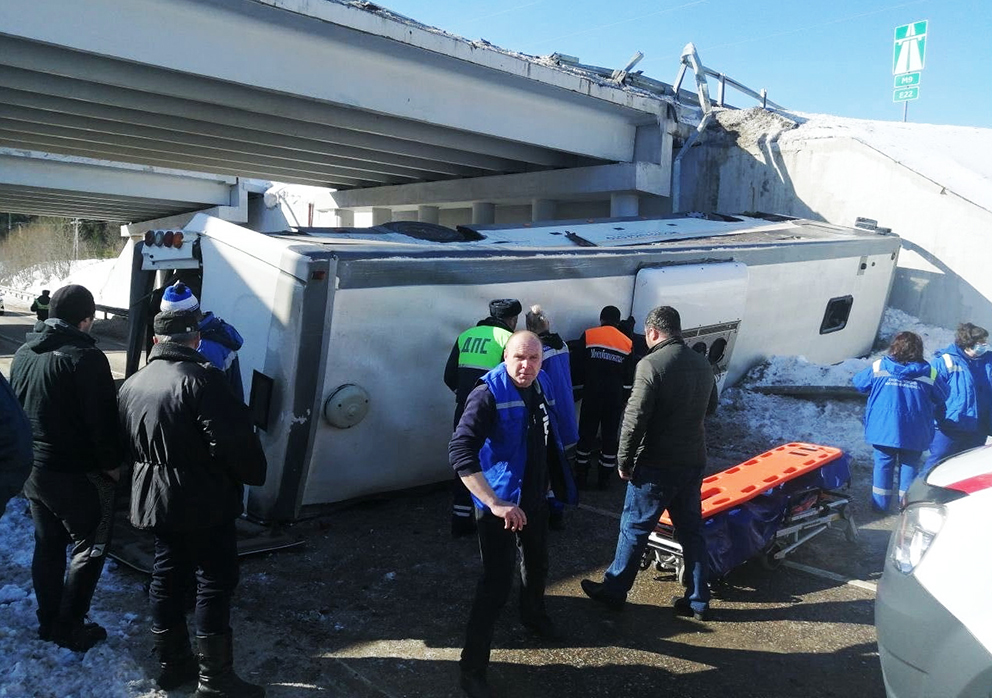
507, 449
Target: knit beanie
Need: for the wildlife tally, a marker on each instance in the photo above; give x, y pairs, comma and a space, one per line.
72, 304
179, 297
170, 322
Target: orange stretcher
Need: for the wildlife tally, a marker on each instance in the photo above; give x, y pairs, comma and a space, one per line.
776, 501
736, 485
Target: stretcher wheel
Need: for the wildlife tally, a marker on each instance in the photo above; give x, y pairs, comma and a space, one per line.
645, 561
680, 573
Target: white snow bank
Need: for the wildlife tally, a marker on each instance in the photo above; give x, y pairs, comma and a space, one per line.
958, 158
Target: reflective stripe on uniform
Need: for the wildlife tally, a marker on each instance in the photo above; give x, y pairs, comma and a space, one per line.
951, 366
881, 490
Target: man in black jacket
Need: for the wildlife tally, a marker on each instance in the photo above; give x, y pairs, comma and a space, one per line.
67, 390
193, 448
662, 457
15, 445
602, 370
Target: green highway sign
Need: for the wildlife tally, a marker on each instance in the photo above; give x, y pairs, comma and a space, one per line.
907, 80
910, 48
906, 94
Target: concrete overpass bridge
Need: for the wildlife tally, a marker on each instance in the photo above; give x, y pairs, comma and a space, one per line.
404, 120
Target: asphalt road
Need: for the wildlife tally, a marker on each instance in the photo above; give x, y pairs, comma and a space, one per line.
18, 321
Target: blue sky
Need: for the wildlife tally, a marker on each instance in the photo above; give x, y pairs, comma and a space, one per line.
824, 57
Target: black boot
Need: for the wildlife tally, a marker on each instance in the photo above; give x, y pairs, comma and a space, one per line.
175, 657
217, 677
78, 636
582, 477
603, 477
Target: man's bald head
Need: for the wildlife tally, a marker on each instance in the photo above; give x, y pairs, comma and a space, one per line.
522, 355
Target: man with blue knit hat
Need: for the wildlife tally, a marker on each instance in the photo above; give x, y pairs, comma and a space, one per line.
477, 350
67, 390
219, 341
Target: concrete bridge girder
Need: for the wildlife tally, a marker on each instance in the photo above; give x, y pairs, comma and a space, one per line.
320, 93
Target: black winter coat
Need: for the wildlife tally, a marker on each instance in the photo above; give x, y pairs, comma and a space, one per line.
191, 441
15, 444
673, 392
67, 390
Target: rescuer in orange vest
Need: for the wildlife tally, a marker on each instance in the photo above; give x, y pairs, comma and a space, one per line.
603, 369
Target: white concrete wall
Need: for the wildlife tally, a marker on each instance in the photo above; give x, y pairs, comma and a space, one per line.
943, 273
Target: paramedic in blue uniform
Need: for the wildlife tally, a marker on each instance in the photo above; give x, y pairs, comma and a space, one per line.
662, 457
905, 395
555, 362
507, 450
477, 350
967, 368
603, 364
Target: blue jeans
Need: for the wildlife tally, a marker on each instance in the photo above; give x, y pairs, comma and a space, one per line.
649, 493
886, 460
949, 443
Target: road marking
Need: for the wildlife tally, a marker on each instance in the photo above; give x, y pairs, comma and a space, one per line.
816, 571
833, 576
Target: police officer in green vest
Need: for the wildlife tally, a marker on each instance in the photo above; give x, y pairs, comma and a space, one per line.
40, 305
477, 350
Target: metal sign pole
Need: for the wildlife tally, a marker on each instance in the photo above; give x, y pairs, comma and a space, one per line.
905, 108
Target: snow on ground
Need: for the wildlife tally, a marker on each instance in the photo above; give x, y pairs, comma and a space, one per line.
91, 273
30, 667
745, 420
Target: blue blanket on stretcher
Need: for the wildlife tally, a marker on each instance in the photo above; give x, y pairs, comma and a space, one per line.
737, 535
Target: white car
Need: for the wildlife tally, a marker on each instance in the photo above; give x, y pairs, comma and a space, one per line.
933, 611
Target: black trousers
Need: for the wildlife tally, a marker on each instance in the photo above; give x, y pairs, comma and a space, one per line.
602, 411
68, 509
499, 549
206, 557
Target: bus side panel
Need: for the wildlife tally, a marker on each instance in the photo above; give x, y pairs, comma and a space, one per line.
263, 304
394, 342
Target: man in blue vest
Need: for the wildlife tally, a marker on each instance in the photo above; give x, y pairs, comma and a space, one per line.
477, 350
507, 450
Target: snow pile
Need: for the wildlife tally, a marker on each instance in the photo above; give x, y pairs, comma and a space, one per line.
91, 273
30, 667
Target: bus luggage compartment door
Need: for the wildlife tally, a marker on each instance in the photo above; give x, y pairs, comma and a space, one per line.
710, 299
